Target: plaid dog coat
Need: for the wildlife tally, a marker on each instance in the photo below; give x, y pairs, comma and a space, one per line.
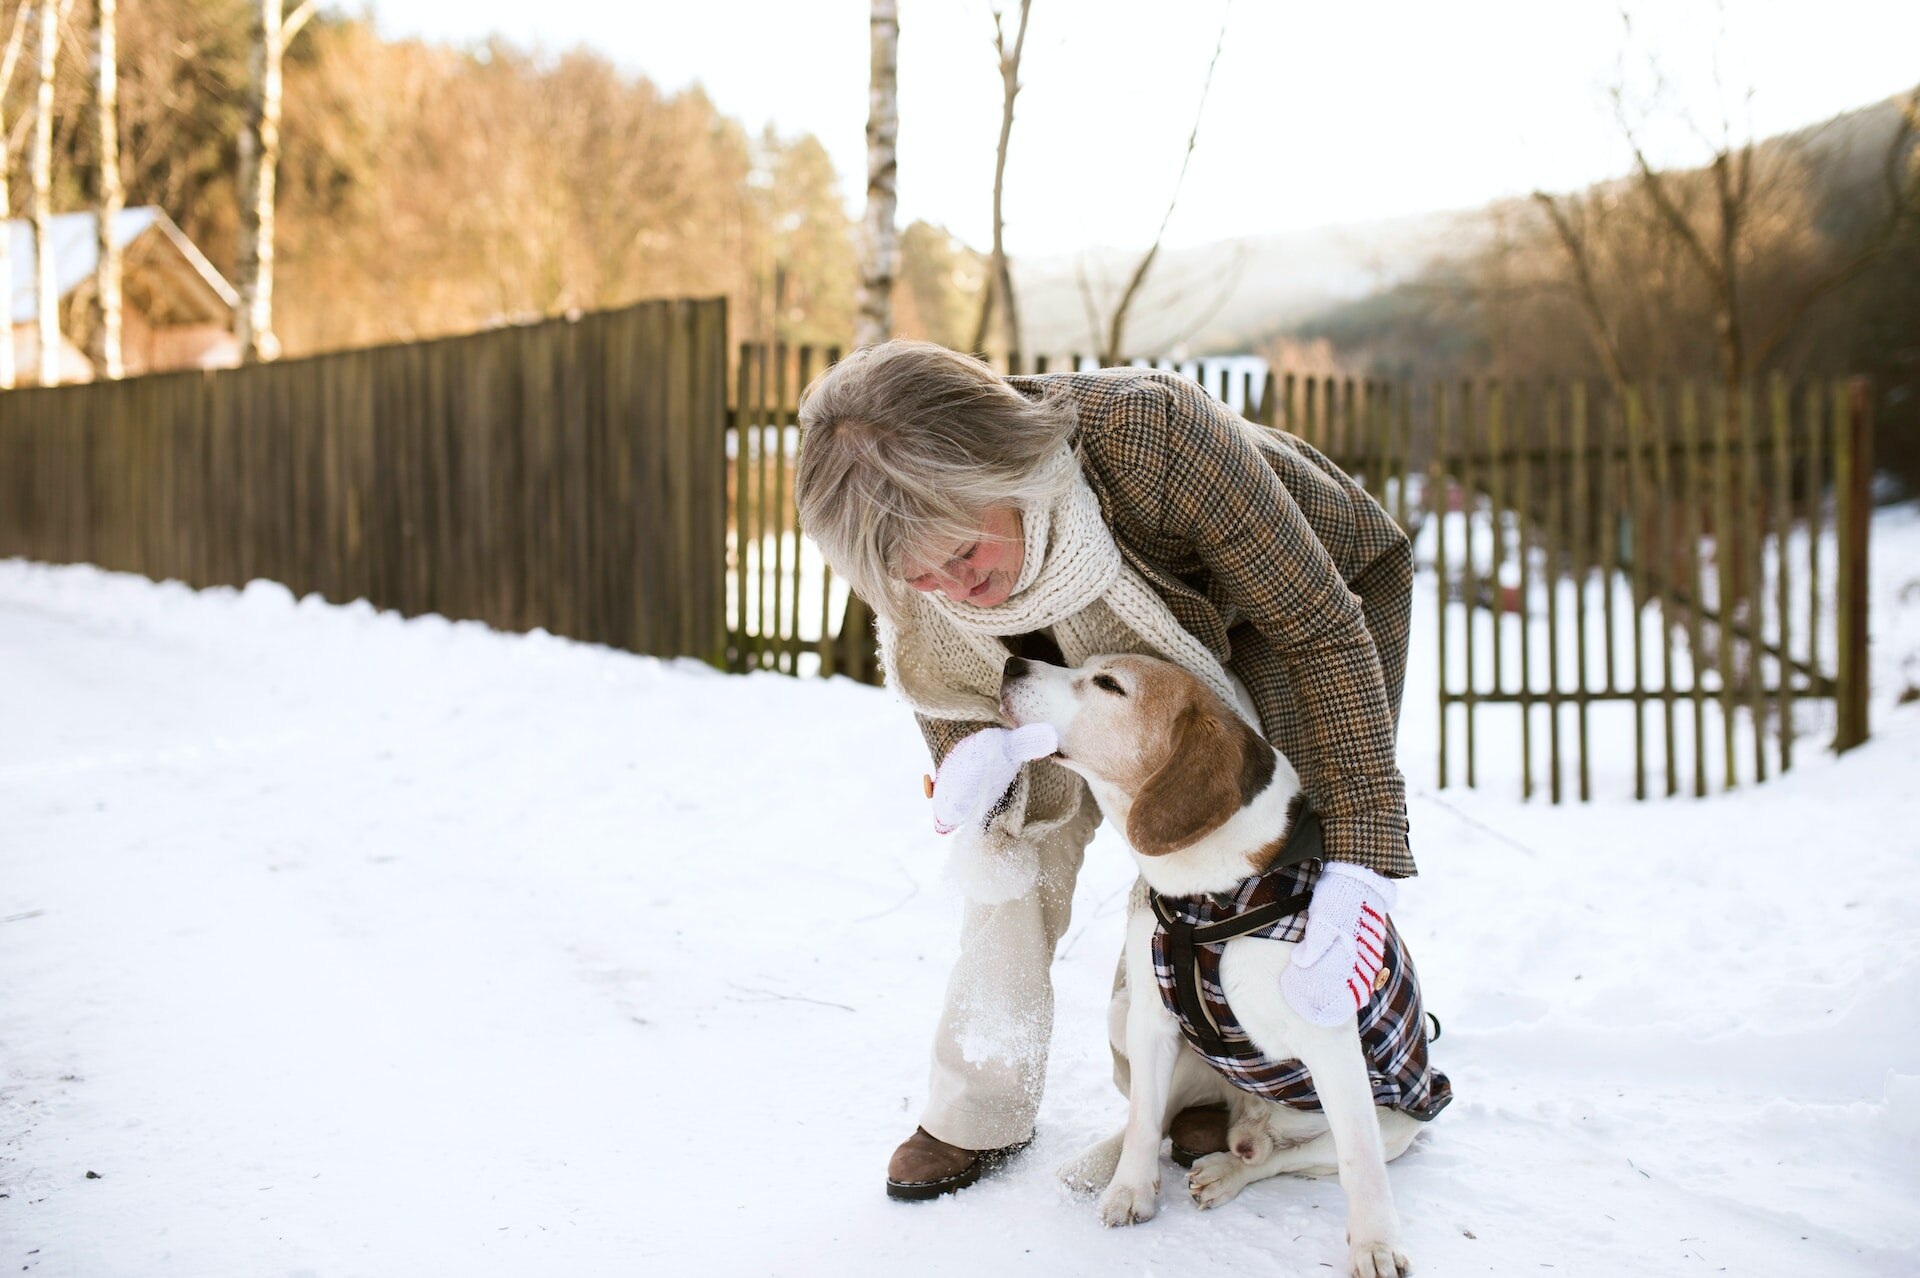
1186, 965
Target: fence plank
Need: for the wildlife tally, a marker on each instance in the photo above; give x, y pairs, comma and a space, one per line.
1853, 485
1635, 502
784, 656
1726, 550
742, 503
1439, 509
1582, 567
1780, 403
1555, 554
1819, 403
768, 521
1694, 525
1660, 426
1752, 565
1523, 519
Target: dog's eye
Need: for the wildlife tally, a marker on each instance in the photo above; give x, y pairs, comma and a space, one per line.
1109, 683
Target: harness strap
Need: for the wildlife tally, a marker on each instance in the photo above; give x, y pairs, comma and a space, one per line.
1252, 921
1195, 1020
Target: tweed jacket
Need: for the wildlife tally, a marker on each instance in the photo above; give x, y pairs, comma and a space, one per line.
1265, 551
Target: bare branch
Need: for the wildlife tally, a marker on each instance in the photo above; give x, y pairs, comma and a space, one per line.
294, 22
1087, 302
1228, 279
1573, 240
999, 274
15, 40
1670, 212
1116, 331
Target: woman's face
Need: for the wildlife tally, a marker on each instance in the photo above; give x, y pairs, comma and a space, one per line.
981, 570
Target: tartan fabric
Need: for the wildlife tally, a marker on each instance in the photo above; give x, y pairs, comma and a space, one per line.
1393, 1029
1280, 563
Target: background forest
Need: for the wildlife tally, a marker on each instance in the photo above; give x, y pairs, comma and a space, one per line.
427, 190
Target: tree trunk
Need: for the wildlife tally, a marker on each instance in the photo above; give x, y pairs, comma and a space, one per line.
999, 288
1733, 209
259, 162
44, 290
105, 342
879, 243
16, 40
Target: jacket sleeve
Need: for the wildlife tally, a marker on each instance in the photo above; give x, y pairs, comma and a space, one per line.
1222, 498
1000, 860
1008, 817
944, 734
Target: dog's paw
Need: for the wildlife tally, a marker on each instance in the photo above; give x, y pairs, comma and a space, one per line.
1216, 1179
1377, 1260
1125, 1204
1251, 1142
1092, 1168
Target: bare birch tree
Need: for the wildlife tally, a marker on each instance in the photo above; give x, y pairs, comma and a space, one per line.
16, 40
259, 160
999, 289
47, 298
104, 344
879, 241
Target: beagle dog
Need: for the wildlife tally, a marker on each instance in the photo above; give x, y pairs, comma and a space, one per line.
1206, 804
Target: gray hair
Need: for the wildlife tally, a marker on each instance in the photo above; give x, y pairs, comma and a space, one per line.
907, 445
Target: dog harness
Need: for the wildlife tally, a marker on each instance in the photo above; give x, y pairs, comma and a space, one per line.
1189, 937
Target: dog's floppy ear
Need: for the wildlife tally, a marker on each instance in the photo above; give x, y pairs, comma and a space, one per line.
1217, 765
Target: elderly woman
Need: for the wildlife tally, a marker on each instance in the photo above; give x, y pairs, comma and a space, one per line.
1058, 517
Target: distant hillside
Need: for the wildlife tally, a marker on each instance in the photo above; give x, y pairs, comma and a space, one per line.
1218, 297
1344, 282
1822, 287
1838, 172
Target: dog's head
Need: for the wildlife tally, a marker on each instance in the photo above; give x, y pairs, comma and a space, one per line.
1168, 760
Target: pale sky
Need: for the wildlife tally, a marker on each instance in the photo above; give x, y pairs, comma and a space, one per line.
1320, 114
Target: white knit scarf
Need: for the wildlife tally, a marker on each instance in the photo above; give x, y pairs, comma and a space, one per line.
945, 657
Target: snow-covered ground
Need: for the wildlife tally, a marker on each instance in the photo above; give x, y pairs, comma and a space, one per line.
334, 944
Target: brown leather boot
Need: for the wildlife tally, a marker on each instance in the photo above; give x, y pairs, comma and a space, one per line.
926, 1167
1197, 1132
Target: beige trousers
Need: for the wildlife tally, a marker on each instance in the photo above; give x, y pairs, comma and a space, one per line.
990, 1050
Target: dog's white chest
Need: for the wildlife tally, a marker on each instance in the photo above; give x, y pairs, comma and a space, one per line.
1250, 968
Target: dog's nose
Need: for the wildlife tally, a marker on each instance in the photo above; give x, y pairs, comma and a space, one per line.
1016, 668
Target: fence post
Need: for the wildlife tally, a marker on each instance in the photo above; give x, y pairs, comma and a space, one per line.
1853, 485
1438, 507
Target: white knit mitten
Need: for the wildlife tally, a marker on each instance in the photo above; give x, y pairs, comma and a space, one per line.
1333, 967
979, 770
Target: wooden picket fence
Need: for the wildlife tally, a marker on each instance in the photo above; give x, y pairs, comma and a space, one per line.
786, 612
565, 475
1672, 520
1693, 555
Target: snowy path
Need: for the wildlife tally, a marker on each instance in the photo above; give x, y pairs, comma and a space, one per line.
341, 945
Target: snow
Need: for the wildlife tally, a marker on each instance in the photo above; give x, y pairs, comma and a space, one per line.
341, 944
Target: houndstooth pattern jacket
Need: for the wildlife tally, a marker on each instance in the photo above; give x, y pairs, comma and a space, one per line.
1280, 563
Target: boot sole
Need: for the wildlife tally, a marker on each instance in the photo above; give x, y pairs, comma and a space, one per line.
921, 1190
